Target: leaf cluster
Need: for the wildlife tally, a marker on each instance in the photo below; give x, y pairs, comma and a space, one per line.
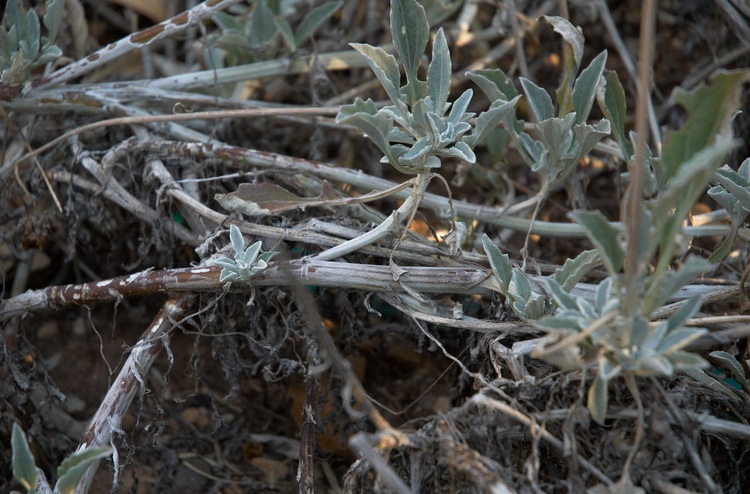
22, 46
246, 263
263, 30
421, 126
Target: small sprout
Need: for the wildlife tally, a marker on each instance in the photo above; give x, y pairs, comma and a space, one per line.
246, 263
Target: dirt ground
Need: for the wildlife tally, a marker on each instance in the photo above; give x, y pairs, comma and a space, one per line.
222, 408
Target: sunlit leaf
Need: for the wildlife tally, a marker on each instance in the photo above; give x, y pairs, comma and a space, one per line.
410, 32
24, 467
605, 236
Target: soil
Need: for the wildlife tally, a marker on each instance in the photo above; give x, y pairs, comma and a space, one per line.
222, 410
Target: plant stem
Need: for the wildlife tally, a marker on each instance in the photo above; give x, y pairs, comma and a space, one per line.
410, 204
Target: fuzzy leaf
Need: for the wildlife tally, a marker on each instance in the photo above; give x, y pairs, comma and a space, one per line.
439, 73
667, 285
386, 69
730, 361
611, 97
605, 236
539, 99
688, 310
598, 398
499, 262
584, 91
52, 17
570, 273
571, 34
74, 466
494, 84
410, 32
24, 467
679, 338
238, 241
559, 294
709, 110
488, 120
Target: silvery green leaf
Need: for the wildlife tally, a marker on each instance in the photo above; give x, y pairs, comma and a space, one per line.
460, 129
520, 285
586, 309
603, 294
398, 135
385, 67
24, 467
534, 307
656, 336
730, 361
13, 14
228, 275
266, 256
553, 133
584, 91
33, 33
439, 73
605, 236
572, 35
499, 262
376, 125
588, 136
410, 32
661, 289
251, 254
679, 338
283, 27
49, 54
575, 269
74, 466
598, 398
655, 365
238, 241
439, 129
559, 322
494, 84
490, 119
225, 262
637, 332
558, 293
735, 184
611, 98
681, 359
314, 19
52, 16
539, 99
419, 149
419, 112
535, 151
689, 309
432, 162
461, 151
458, 109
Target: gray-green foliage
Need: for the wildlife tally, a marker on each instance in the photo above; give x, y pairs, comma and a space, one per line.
22, 46
624, 340
69, 472
557, 140
732, 192
421, 126
243, 37
246, 263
